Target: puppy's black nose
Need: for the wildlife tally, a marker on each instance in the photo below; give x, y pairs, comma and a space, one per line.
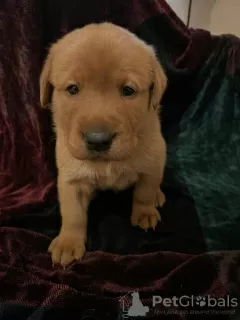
99, 141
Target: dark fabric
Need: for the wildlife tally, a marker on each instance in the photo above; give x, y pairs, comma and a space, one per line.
97, 284
26, 178
200, 123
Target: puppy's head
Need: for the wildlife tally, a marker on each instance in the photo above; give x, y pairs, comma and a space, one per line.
106, 82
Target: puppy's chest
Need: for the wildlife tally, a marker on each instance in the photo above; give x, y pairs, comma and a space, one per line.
115, 181
106, 177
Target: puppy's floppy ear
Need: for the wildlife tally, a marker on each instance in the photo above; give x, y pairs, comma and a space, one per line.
159, 83
45, 85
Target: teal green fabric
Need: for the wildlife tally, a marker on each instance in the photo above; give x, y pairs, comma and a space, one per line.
208, 147
201, 125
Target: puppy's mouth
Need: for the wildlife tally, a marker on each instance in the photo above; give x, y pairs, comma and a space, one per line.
98, 155
111, 155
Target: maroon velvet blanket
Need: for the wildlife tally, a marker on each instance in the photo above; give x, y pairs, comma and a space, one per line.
122, 265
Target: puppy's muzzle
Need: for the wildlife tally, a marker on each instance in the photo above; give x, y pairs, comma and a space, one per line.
98, 141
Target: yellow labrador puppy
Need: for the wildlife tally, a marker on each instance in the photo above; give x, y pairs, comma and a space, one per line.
104, 85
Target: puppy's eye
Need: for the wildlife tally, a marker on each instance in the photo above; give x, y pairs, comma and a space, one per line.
127, 91
73, 90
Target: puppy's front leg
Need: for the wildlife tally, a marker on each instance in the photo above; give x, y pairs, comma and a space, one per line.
69, 245
147, 195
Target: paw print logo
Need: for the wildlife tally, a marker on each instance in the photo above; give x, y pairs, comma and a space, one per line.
200, 301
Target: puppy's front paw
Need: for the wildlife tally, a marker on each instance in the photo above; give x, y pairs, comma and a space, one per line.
160, 199
145, 217
67, 247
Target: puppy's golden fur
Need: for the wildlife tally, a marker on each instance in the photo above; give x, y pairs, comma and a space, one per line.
101, 59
